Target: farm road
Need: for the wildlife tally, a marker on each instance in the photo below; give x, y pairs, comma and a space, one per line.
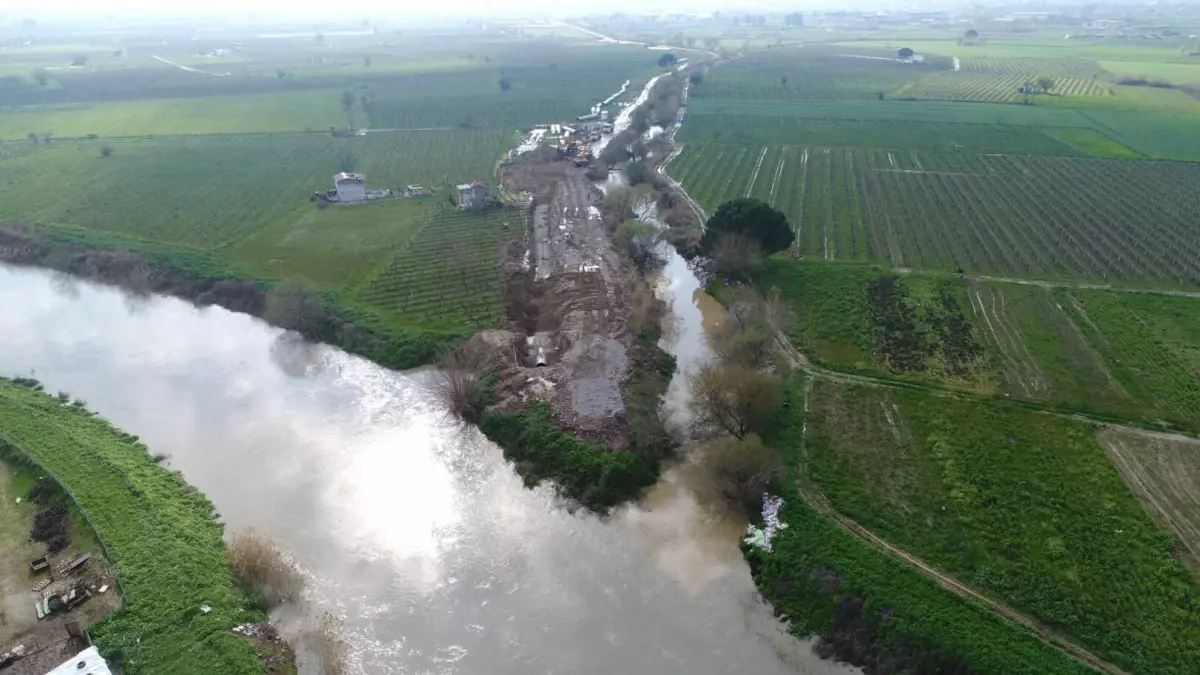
1053, 284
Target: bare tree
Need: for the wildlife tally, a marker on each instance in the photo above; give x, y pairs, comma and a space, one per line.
621, 202
739, 471
645, 311
295, 304
734, 398
327, 641
734, 253
461, 371
258, 563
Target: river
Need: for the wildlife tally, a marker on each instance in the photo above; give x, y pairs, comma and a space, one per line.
412, 527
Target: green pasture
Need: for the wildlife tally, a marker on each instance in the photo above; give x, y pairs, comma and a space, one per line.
206, 191
1114, 354
1023, 506
284, 111
1043, 49
334, 246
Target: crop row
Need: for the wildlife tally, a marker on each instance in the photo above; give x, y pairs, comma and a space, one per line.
449, 274
1031, 67
1023, 216
990, 87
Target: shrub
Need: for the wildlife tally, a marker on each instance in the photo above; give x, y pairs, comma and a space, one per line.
261, 567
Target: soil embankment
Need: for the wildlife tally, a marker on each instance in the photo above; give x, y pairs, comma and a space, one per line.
568, 295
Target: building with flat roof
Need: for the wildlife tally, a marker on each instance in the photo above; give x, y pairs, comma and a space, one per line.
350, 187
473, 196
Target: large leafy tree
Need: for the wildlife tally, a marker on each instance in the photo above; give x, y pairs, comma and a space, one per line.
752, 218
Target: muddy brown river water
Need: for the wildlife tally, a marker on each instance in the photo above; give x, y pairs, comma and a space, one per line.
411, 527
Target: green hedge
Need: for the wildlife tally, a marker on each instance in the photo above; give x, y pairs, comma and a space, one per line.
585, 472
162, 536
829, 583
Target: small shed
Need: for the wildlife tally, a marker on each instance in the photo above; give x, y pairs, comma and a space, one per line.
415, 191
473, 196
350, 187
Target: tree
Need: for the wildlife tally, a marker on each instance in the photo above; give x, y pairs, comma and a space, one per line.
734, 398
738, 472
795, 19
757, 220
1045, 83
667, 60
281, 73
621, 202
319, 40
348, 106
106, 151
80, 60
783, 81
295, 304
711, 43
366, 61
637, 173
970, 36
696, 78
639, 239
41, 77
459, 380
905, 53
505, 84
735, 254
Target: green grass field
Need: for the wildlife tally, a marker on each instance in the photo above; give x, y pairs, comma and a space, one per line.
829, 583
163, 537
285, 111
1024, 506
338, 245
1122, 355
208, 191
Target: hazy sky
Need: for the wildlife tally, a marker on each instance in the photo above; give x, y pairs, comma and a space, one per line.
360, 8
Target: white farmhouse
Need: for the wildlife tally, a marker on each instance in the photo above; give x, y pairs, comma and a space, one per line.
350, 187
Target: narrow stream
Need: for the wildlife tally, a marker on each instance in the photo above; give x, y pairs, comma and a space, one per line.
412, 527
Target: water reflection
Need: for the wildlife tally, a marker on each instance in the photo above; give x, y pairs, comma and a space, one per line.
412, 527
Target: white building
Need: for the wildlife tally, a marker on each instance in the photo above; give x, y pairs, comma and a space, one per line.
86, 662
350, 187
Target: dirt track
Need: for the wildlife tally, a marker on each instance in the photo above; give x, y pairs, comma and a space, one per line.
576, 284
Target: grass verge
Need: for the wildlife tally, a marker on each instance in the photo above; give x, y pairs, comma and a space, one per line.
162, 536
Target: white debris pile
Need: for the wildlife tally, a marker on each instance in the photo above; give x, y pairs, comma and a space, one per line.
531, 142
761, 537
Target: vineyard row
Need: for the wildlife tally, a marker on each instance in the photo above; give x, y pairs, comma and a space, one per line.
1051, 217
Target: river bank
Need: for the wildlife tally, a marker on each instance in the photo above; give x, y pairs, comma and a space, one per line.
413, 528
207, 279
179, 602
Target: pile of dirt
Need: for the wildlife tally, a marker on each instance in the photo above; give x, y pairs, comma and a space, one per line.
51, 522
50, 525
